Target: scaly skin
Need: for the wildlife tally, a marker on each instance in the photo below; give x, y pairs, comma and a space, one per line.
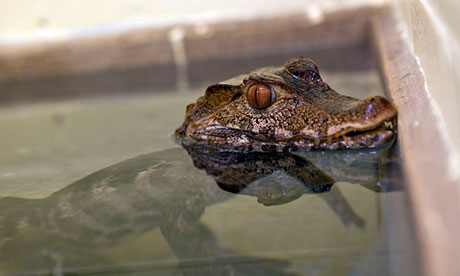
306, 114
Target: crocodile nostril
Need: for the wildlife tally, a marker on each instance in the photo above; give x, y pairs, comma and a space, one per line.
378, 101
370, 107
375, 105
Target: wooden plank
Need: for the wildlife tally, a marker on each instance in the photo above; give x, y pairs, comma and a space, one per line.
82, 55
150, 46
433, 191
147, 60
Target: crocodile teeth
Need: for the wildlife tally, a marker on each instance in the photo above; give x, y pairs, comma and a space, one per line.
388, 124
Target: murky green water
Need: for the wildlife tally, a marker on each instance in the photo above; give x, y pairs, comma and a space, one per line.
72, 205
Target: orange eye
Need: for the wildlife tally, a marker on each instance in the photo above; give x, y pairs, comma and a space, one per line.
261, 96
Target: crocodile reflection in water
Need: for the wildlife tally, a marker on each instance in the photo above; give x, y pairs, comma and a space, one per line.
161, 189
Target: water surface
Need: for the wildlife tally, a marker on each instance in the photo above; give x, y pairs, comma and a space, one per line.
98, 186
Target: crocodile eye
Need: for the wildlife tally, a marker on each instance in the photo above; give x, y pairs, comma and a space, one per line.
261, 96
